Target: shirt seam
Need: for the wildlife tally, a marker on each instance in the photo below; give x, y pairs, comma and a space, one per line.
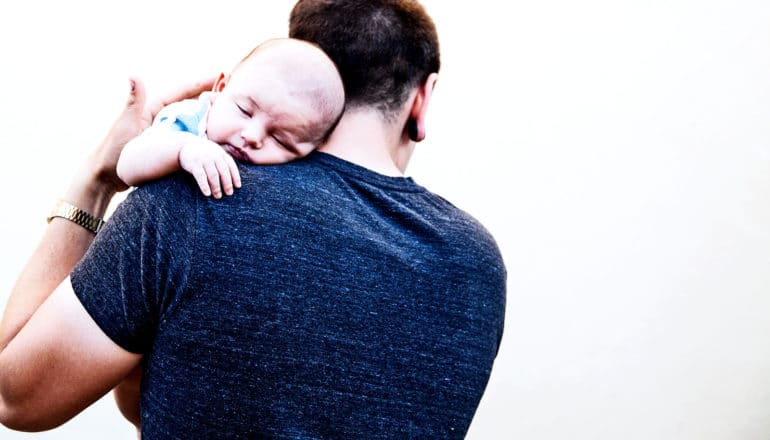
183, 291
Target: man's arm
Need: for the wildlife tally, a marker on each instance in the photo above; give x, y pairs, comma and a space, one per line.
53, 359
57, 365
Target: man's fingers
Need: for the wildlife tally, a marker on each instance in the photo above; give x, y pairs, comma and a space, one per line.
190, 90
185, 91
137, 95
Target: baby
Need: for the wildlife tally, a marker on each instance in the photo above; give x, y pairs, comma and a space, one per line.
279, 104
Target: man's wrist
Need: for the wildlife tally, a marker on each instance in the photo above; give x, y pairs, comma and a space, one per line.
92, 189
76, 215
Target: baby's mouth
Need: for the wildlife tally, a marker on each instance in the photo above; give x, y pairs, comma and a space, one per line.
236, 152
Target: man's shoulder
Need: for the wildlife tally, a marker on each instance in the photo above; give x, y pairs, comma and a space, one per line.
453, 217
284, 180
177, 189
464, 236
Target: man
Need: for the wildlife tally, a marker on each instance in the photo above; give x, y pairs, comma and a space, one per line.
329, 298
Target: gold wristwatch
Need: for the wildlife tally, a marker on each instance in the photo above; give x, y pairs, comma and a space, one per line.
76, 215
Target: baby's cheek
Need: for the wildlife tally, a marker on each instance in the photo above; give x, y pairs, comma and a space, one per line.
306, 148
281, 155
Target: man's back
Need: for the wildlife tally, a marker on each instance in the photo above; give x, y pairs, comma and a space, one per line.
321, 301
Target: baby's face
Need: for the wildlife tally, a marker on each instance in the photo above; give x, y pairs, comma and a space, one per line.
260, 116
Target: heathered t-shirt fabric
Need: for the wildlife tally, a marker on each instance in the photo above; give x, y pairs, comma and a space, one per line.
321, 301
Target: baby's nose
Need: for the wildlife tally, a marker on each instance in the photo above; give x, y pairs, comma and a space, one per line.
254, 135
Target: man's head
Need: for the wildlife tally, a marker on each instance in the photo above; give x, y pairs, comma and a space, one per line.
279, 103
382, 48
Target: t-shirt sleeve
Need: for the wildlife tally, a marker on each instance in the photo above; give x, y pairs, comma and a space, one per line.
137, 267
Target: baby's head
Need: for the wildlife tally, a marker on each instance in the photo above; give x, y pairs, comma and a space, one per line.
279, 103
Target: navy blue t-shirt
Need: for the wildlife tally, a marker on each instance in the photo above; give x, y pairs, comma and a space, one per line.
322, 300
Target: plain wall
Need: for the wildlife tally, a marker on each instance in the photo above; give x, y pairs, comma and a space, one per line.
618, 151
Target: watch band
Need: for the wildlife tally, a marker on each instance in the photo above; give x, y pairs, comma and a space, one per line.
76, 215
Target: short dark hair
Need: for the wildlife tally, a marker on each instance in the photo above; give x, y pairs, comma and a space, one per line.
382, 48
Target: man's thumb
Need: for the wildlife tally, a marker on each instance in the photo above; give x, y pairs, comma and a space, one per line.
136, 96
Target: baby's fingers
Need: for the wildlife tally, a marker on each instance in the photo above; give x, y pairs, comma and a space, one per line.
224, 174
234, 173
212, 173
202, 180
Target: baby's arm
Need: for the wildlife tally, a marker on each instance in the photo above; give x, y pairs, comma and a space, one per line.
159, 151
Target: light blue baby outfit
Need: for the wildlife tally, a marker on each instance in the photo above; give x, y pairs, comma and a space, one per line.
188, 115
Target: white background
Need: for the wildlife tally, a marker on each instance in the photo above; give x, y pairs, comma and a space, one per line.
619, 151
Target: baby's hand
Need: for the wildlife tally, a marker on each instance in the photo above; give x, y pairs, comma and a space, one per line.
212, 167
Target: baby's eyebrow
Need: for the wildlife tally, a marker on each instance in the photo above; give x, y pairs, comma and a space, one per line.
252, 101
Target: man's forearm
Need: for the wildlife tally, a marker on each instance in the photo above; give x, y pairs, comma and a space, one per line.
63, 244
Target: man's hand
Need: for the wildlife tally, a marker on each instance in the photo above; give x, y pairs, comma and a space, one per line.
136, 116
212, 167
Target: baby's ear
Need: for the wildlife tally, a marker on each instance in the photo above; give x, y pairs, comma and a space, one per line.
220, 83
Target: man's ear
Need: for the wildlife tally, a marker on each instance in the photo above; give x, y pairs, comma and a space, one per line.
415, 125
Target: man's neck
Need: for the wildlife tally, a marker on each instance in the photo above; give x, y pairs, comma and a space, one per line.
363, 138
